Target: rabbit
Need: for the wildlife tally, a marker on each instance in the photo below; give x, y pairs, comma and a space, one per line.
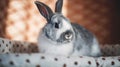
61, 37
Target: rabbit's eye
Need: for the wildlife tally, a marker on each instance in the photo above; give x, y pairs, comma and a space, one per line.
56, 25
68, 35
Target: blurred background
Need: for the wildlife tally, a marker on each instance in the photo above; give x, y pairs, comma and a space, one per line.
20, 19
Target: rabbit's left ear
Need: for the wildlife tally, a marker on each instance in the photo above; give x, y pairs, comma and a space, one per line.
58, 7
44, 10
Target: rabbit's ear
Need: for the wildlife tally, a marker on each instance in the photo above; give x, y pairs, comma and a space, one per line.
44, 9
59, 5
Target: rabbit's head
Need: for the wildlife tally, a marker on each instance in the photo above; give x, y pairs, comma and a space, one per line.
58, 28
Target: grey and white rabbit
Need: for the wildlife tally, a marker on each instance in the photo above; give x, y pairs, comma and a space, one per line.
60, 36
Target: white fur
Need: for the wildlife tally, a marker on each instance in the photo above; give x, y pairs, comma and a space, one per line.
47, 46
87, 51
66, 26
83, 51
95, 47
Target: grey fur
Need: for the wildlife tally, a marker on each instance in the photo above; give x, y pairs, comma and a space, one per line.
58, 7
83, 38
86, 36
48, 12
72, 38
62, 38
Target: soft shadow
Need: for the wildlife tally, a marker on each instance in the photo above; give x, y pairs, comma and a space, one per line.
4, 4
115, 23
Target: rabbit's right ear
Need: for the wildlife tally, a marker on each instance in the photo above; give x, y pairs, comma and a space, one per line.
58, 7
44, 9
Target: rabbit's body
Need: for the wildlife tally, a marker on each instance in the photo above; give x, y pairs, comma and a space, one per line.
84, 44
60, 36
